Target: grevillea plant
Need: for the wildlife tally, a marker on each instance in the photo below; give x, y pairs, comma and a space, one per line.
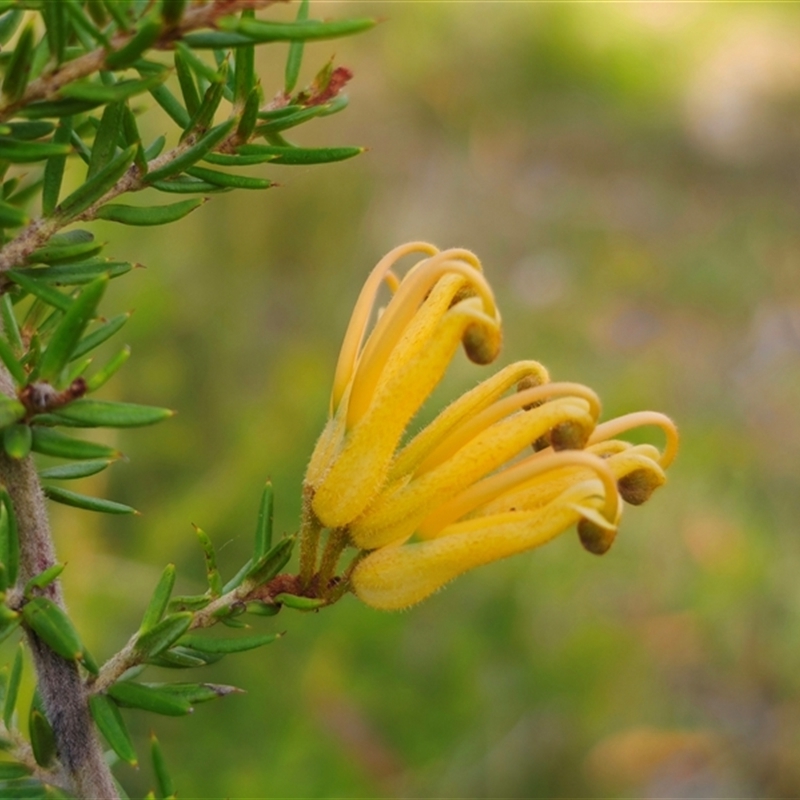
511, 464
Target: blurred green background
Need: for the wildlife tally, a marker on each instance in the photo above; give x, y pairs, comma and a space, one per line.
630, 176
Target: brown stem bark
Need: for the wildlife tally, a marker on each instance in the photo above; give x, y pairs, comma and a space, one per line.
60, 684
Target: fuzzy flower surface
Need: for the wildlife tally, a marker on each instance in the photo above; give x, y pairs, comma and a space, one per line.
505, 468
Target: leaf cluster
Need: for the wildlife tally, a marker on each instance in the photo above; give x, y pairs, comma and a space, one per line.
75, 75
172, 634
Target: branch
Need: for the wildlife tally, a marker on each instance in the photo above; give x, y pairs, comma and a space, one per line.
197, 17
60, 685
36, 234
129, 657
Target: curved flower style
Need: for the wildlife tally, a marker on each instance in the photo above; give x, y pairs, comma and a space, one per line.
457, 495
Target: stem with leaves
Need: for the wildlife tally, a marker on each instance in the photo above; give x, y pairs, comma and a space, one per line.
71, 62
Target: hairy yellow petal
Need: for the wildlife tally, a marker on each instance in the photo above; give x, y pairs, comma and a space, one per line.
399, 576
410, 295
465, 407
348, 355
503, 408
533, 467
395, 515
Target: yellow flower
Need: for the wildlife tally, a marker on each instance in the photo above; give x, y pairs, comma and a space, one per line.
457, 495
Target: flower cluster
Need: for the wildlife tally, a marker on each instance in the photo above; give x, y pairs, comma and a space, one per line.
496, 473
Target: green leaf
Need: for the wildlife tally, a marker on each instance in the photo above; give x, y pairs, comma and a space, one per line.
69, 252
105, 141
163, 634
191, 97
19, 67
54, 169
200, 67
153, 215
245, 75
85, 30
272, 562
266, 512
110, 414
215, 40
301, 155
194, 153
43, 740
56, 108
298, 602
9, 23
77, 273
95, 92
232, 622
41, 290
172, 11
89, 664
56, 26
8, 624
12, 216
29, 789
12, 688
249, 117
131, 136
94, 189
10, 326
204, 115
61, 348
108, 718
109, 370
226, 179
17, 441
54, 443
70, 472
295, 57
166, 788
12, 364
85, 502
170, 104
30, 130
9, 770
301, 31
10, 410
232, 160
183, 185
277, 123
53, 627
43, 579
261, 609
18, 152
9, 537
196, 692
136, 695
100, 334
120, 11
178, 658
189, 602
144, 38
210, 556
205, 644
160, 599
